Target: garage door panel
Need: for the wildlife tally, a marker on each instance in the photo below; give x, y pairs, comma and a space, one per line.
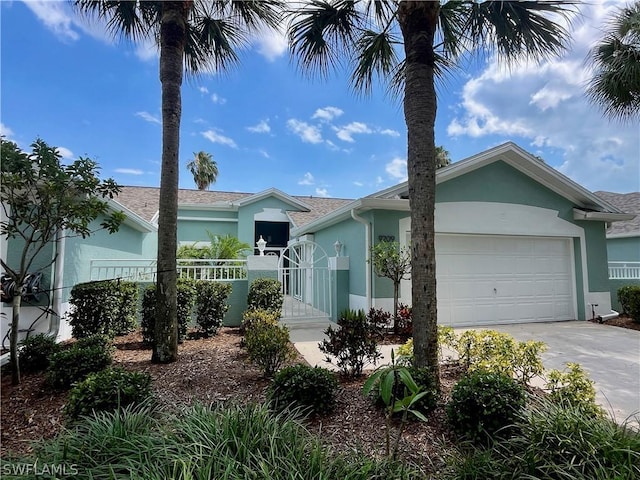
486, 279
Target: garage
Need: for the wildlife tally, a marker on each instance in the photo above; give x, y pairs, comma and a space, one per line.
497, 279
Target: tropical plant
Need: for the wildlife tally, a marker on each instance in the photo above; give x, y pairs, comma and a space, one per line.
615, 86
204, 170
435, 36
391, 261
192, 36
442, 157
44, 201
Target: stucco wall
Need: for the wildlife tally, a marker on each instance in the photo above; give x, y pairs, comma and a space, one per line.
624, 249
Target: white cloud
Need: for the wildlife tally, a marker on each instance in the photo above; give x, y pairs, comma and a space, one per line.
203, 90
147, 50
217, 99
147, 117
544, 108
65, 152
307, 179
327, 113
397, 169
261, 127
216, 137
6, 131
346, 132
56, 17
129, 171
264, 153
307, 133
270, 43
322, 192
391, 133
358, 184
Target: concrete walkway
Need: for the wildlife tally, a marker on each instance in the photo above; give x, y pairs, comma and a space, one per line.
610, 355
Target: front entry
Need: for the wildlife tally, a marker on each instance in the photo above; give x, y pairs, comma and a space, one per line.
303, 269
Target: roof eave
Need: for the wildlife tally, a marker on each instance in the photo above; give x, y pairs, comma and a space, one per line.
579, 214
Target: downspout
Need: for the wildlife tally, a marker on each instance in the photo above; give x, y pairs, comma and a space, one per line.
367, 243
58, 273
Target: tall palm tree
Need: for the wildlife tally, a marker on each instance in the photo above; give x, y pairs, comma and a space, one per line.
372, 36
615, 86
194, 35
443, 158
204, 170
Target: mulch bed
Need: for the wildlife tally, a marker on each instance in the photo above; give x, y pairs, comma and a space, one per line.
622, 321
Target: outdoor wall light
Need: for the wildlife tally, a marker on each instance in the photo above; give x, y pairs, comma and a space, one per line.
261, 243
338, 247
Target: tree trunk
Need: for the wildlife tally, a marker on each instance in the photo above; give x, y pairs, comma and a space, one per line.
418, 21
396, 290
13, 340
172, 41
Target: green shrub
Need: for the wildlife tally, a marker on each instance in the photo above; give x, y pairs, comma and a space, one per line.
74, 364
268, 346
629, 298
483, 404
211, 305
379, 321
103, 342
108, 390
573, 387
312, 388
36, 352
266, 294
258, 315
426, 381
353, 343
186, 298
554, 441
107, 307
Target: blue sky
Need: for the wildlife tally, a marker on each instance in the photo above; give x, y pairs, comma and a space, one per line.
268, 126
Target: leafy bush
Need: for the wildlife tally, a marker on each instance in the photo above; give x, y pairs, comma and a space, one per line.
556, 441
266, 294
185, 298
573, 387
36, 352
378, 321
425, 379
103, 342
353, 343
405, 320
446, 337
629, 298
211, 305
108, 307
108, 390
312, 388
258, 315
494, 351
74, 364
268, 346
484, 403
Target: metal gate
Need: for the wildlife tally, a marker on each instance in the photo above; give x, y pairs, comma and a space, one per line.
303, 269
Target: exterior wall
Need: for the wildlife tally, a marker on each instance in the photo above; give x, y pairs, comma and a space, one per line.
237, 302
247, 213
386, 224
624, 249
193, 225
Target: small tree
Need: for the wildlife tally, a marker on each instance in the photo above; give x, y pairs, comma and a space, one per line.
42, 202
391, 261
204, 170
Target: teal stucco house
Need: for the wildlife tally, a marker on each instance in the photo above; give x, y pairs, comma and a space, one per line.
516, 241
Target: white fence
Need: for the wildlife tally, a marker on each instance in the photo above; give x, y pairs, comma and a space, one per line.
145, 270
624, 270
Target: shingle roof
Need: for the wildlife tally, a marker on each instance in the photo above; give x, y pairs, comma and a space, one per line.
628, 203
144, 201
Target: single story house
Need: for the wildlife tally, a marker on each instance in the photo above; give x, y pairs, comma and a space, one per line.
516, 241
623, 242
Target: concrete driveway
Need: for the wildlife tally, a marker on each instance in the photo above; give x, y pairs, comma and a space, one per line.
610, 355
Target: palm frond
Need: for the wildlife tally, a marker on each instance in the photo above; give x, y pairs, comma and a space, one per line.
382, 11
451, 23
375, 57
518, 29
322, 33
129, 19
212, 43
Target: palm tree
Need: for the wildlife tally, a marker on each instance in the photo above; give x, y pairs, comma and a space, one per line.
191, 35
434, 36
615, 86
443, 158
204, 170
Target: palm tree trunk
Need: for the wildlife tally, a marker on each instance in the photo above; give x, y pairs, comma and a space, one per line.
418, 21
172, 41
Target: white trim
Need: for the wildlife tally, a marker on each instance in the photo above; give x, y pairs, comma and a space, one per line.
579, 214
613, 236
273, 192
220, 206
210, 219
132, 219
271, 215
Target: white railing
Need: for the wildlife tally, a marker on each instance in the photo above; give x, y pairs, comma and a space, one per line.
145, 270
624, 270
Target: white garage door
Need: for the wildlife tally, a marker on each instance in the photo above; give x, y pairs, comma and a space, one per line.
485, 280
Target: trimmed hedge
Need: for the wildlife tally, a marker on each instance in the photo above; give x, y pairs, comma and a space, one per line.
186, 301
36, 352
108, 307
211, 305
629, 298
311, 388
266, 294
77, 362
